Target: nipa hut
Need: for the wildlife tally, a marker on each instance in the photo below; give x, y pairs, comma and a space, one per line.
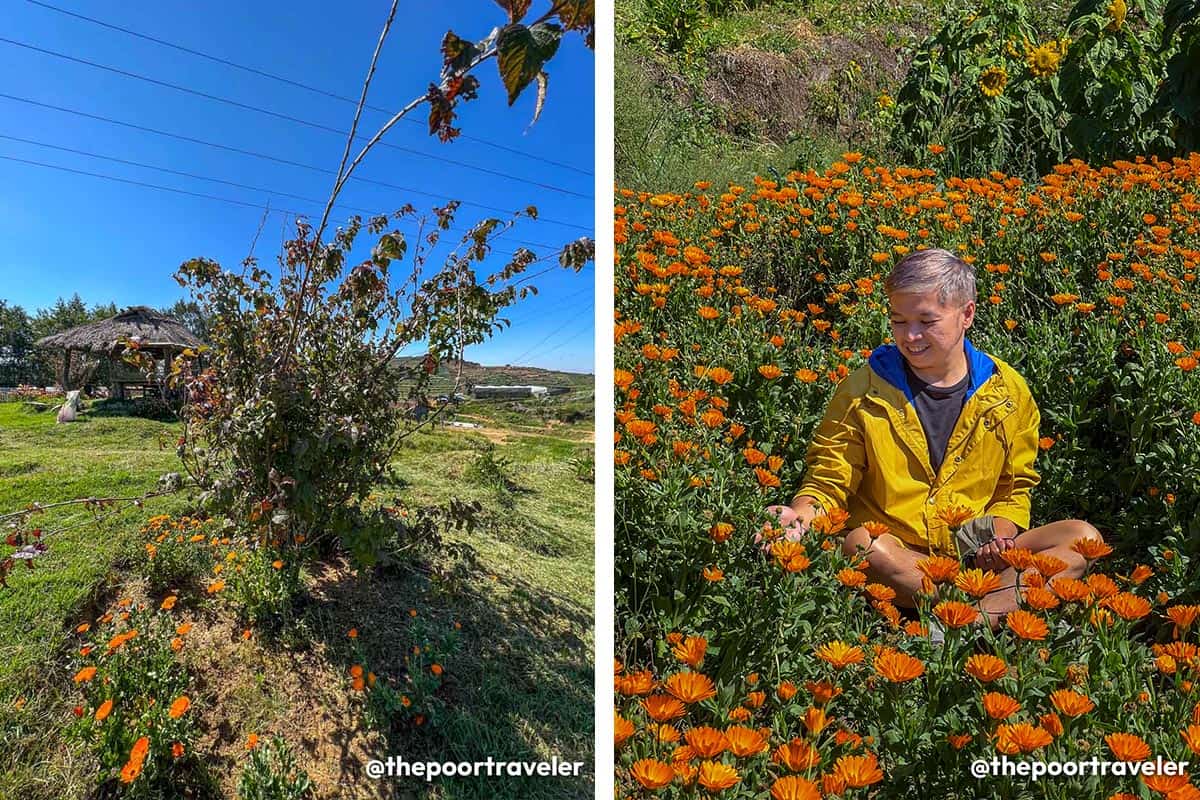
157, 334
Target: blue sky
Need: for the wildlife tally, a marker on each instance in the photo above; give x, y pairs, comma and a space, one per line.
115, 242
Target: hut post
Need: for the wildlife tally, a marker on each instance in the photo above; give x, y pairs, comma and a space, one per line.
66, 369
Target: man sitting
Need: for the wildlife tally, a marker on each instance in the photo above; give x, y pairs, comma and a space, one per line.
931, 423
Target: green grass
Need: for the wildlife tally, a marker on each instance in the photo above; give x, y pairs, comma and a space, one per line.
521, 684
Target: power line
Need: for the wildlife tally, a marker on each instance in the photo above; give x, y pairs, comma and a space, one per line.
268, 157
196, 176
547, 338
202, 194
286, 117
297, 84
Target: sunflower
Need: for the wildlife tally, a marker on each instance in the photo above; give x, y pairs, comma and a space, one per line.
1044, 59
1117, 10
992, 81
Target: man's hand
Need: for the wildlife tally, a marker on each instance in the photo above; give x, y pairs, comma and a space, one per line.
988, 556
793, 519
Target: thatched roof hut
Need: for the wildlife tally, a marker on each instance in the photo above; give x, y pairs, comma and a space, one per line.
155, 332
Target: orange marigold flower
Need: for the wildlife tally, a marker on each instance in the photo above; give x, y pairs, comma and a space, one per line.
899, 667
806, 376
939, 569
955, 516
137, 756
766, 479
1101, 585
691, 651
999, 706
652, 774
1127, 747
879, 591
690, 687
1191, 737
745, 742
786, 690
637, 683
1071, 590
977, 582
179, 707
104, 710
1127, 606
85, 674
875, 529
954, 614
851, 578
712, 574
815, 720
622, 729
754, 456
1026, 625
1071, 703
706, 742
1022, 737
1090, 548
1040, 599
793, 787
663, 708
720, 532
798, 756
1019, 558
717, 777
1140, 574
840, 654
1048, 565
959, 740
1183, 617
169, 603
858, 771
770, 371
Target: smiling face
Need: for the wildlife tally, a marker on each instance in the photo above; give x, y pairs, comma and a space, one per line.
930, 333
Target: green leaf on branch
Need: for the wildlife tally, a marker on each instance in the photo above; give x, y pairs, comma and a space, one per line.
522, 52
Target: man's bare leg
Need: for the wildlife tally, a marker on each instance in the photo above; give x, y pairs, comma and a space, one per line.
889, 563
1055, 540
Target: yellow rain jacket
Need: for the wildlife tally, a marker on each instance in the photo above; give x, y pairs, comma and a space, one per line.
869, 455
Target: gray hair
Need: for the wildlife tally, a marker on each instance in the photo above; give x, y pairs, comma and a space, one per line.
933, 269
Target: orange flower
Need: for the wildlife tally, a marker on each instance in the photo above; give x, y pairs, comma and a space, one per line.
876, 529
720, 532
436, 669
717, 777
1127, 606
622, 729
879, 591
770, 371
104, 710
636, 683
939, 569
985, 668
766, 479
1026, 625
858, 771
1071, 590
1019, 558
1191, 737
977, 583
1048, 565
899, 667
1070, 703
85, 674
1141, 573
798, 756
1090, 548
851, 578
691, 687
652, 774
1183, 617
252, 741
662, 708
177, 750
1051, 723
745, 742
999, 706
955, 516
712, 574
792, 787
822, 691
786, 690
815, 720
179, 707
691, 651
955, 614
754, 456
1021, 738
1040, 599
706, 742
1046, 442
806, 376
169, 603
1127, 747
959, 740
840, 654
137, 756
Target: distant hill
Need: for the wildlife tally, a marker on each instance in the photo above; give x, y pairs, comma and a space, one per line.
507, 375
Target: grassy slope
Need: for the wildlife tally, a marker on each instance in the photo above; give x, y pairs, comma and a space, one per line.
667, 139
522, 682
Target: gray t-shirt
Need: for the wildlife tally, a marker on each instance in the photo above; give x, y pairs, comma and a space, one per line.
938, 408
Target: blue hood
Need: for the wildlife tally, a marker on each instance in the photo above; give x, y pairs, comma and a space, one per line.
888, 364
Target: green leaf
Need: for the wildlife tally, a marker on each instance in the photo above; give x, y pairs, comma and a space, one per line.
522, 52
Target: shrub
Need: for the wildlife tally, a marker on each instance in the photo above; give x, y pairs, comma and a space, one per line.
271, 773
174, 553
135, 712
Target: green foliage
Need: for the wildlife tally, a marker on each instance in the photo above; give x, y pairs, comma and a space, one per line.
1179, 94
262, 585
174, 554
130, 677
271, 773
414, 699
585, 465
1003, 89
493, 471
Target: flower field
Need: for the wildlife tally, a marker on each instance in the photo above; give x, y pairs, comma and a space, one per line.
748, 669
